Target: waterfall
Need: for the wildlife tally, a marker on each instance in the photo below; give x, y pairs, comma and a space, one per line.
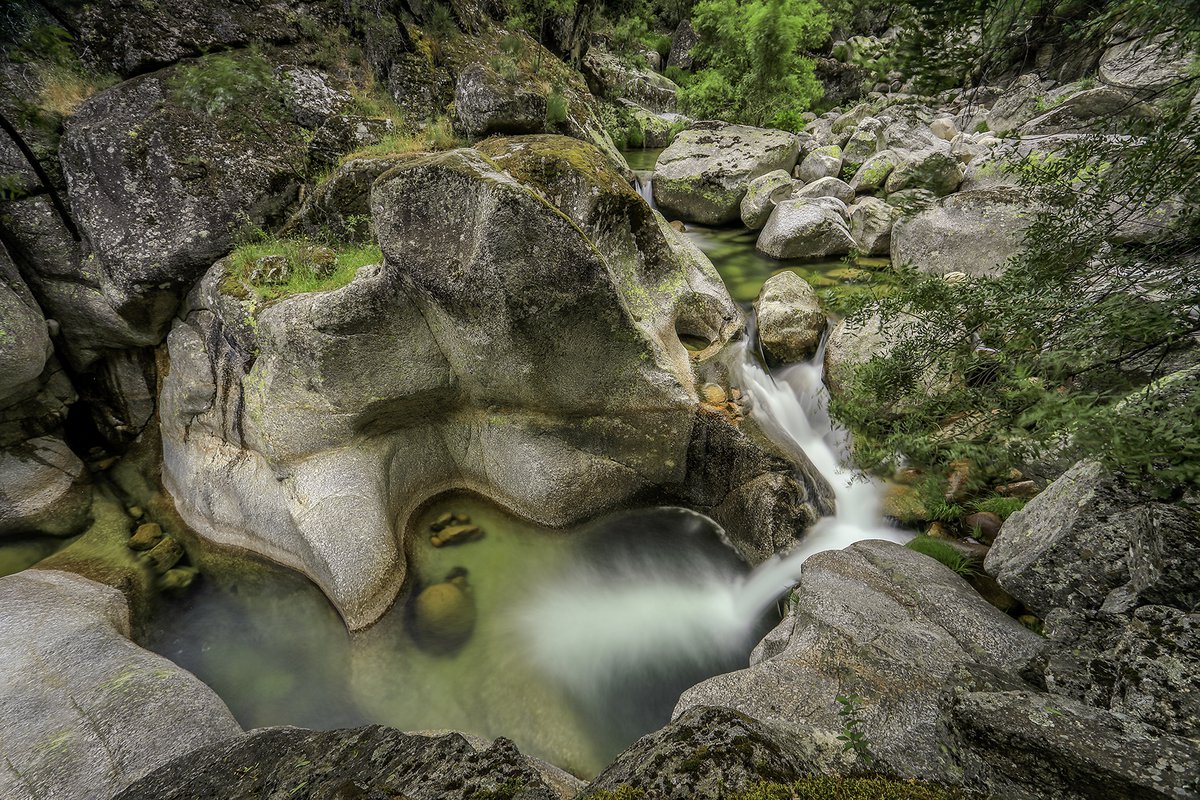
600, 626
644, 180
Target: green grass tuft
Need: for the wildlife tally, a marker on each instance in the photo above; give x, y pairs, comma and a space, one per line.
303, 277
1002, 507
946, 554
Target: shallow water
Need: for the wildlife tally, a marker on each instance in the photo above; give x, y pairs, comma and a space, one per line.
277, 653
745, 270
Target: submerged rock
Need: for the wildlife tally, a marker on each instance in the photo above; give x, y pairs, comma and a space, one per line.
370, 762
443, 614
84, 710
523, 335
704, 174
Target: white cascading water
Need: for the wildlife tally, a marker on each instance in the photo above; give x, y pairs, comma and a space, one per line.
600, 625
645, 186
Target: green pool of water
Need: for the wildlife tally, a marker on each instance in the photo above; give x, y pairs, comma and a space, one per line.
274, 649
744, 269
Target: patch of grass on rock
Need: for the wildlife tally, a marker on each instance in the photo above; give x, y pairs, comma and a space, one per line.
277, 267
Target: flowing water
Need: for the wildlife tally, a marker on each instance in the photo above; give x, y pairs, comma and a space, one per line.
573, 643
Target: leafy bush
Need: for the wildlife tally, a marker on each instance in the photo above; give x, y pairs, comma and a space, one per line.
852, 736
946, 553
755, 73
228, 83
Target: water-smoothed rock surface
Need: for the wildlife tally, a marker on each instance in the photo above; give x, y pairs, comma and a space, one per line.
883, 622
973, 232
84, 710
521, 339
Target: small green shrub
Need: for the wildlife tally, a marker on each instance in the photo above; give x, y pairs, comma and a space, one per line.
852, 737
946, 553
556, 108
678, 75
505, 67
828, 787
512, 45
1002, 507
224, 83
441, 22
436, 135
623, 792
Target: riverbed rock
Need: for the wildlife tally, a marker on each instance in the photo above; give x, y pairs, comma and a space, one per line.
1021, 102
823, 162
704, 174
883, 622
1144, 65
866, 140
871, 221
972, 232
934, 170
559, 403
682, 41
1102, 109
762, 195
874, 172
1023, 744
790, 319
1088, 543
826, 187
84, 710
368, 762
804, 229
45, 489
707, 753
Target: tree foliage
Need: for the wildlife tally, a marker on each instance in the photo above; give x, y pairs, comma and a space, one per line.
755, 71
1087, 344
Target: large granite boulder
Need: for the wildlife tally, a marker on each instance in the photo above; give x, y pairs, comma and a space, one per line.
885, 623
1088, 543
823, 162
611, 78
974, 232
84, 710
1015, 742
704, 174
683, 41
762, 195
804, 228
131, 37
790, 319
707, 753
370, 762
1102, 109
936, 171
521, 339
43, 485
158, 186
486, 102
873, 174
871, 221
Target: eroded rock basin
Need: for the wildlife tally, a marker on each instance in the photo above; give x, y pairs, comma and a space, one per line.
276, 651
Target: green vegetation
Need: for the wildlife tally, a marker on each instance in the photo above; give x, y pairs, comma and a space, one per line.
556, 108
852, 737
1081, 347
50, 81
945, 552
435, 135
242, 86
304, 266
1002, 507
755, 72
